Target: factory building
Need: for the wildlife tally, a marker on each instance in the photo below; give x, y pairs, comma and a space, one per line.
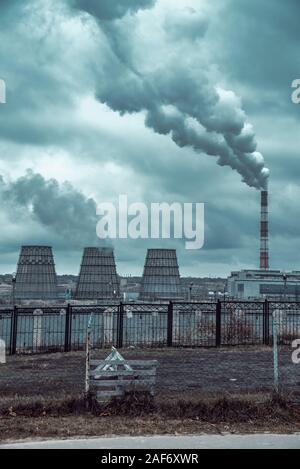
98, 278
36, 277
161, 279
258, 284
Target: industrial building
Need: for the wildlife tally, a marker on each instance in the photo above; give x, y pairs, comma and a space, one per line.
264, 282
36, 277
161, 279
98, 279
271, 284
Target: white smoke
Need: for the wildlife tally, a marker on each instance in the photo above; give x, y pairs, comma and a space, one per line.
165, 73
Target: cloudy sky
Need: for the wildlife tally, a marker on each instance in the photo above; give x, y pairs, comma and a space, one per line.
165, 104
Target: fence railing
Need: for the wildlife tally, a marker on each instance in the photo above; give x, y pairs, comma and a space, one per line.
37, 330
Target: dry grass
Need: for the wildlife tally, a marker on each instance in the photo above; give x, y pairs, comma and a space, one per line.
137, 404
141, 414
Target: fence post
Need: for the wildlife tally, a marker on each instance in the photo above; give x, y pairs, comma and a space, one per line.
68, 328
218, 323
14, 331
276, 322
170, 325
120, 326
88, 359
266, 323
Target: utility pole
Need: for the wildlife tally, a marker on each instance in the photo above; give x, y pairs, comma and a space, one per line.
13, 281
276, 324
285, 286
224, 294
190, 292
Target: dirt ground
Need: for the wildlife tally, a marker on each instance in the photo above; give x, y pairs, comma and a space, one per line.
181, 372
186, 377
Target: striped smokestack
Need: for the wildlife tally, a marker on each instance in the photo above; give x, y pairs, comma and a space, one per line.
264, 232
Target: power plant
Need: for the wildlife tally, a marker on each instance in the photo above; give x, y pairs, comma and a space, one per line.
264, 282
161, 279
98, 278
36, 277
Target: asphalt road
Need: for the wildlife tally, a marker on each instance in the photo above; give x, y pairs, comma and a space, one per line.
258, 441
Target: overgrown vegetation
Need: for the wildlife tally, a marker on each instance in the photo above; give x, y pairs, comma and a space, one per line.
223, 409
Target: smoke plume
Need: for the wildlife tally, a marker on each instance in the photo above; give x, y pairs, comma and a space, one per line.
111, 9
64, 211
167, 76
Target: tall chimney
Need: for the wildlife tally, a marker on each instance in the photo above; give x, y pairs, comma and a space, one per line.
264, 232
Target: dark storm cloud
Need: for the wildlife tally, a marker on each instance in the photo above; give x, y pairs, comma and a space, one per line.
161, 63
44, 75
60, 208
262, 49
111, 9
189, 25
7, 4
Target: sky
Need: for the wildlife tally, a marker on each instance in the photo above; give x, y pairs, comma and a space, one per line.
163, 103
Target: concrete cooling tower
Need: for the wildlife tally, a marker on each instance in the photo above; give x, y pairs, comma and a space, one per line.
161, 279
98, 278
36, 277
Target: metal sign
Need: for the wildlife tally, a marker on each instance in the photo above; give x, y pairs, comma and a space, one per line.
114, 360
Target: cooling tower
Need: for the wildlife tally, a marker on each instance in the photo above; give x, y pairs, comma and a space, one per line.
264, 232
98, 278
161, 279
36, 278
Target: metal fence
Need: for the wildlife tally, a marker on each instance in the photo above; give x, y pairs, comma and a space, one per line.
37, 330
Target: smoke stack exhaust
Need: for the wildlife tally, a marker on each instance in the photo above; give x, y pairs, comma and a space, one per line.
264, 232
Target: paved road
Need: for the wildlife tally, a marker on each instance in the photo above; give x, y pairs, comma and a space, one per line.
264, 441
